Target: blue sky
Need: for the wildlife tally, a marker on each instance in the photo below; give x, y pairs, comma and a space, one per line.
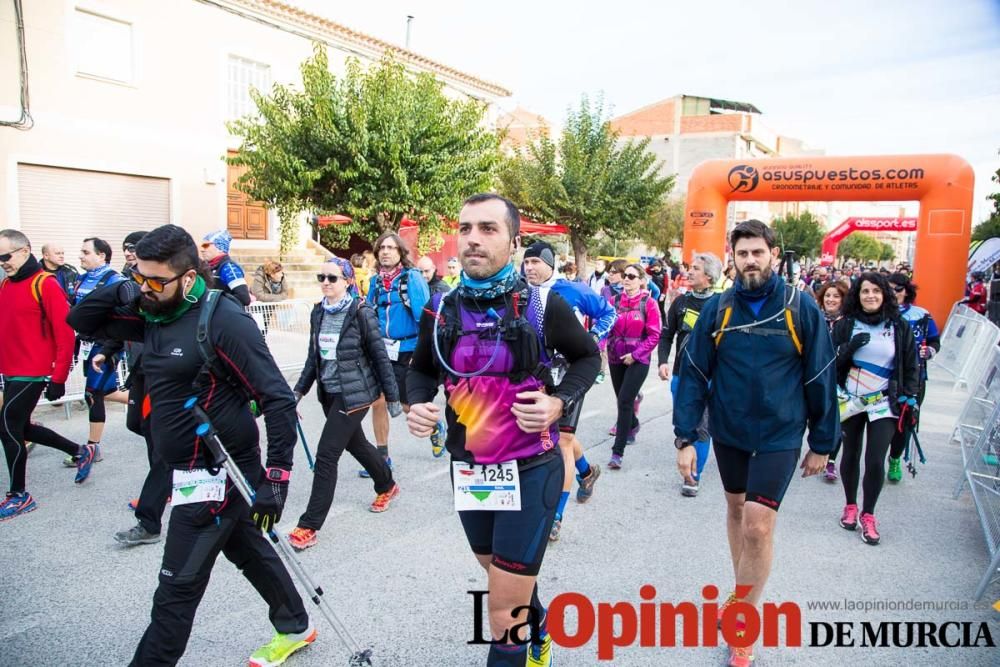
847, 77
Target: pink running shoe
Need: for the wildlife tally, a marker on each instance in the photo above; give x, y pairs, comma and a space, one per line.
849, 519
869, 529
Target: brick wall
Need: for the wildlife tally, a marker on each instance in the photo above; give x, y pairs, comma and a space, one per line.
716, 123
653, 120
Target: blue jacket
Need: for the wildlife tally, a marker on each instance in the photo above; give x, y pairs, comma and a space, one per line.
584, 301
762, 392
395, 320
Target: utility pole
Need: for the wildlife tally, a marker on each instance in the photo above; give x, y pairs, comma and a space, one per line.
409, 21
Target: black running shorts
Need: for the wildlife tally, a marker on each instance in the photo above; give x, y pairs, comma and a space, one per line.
568, 422
762, 476
517, 540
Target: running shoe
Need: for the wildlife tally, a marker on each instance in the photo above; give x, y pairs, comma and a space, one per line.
438, 439
830, 474
636, 403
849, 519
740, 657
555, 530
133, 504
136, 535
540, 655
383, 500
302, 538
613, 430
616, 462
631, 435
690, 489
600, 378
276, 651
85, 462
895, 473
15, 504
869, 529
722, 608
71, 461
364, 473
586, 489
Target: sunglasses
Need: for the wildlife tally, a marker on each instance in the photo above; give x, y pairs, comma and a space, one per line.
129, 247
6, 257
154, 284
897, 288
328, 277
630, 276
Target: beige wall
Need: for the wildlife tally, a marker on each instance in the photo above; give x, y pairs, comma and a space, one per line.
169, 122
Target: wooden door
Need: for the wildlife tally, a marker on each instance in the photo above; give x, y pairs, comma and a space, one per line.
245, 218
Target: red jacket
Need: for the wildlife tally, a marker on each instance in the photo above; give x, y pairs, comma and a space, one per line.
29, 345
977, 298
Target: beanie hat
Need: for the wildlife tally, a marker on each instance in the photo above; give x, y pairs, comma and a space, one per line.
220, 239
542, 251
133, 238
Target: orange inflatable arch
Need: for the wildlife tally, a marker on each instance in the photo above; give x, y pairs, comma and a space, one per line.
941, 183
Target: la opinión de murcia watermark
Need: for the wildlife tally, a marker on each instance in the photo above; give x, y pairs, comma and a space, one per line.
660, 624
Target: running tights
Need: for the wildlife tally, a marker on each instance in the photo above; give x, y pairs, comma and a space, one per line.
627, 381
19, 400
879, 435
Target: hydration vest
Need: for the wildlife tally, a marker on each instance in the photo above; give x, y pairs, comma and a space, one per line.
791, 304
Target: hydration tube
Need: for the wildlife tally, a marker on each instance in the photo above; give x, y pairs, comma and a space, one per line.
437, 347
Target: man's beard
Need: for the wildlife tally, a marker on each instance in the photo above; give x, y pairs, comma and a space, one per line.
757, 281
161, 307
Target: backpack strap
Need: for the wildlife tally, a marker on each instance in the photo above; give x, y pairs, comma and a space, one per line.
792, 316
203, 337
36, 291
404, 290
722, 315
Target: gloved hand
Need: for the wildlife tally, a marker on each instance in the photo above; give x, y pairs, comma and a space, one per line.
858, 342
270, 501
395, 408
55, 390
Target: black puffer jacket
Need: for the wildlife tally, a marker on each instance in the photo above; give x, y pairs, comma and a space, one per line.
906, 375
362, 361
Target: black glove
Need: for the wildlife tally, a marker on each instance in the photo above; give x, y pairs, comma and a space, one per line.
55, 390
270, 501
858, 342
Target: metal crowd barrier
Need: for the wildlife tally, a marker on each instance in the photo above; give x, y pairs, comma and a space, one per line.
966, 343
285, 325
978, 432
76, 384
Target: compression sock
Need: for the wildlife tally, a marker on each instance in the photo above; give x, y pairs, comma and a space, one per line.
562, 504
583, 466
507, 655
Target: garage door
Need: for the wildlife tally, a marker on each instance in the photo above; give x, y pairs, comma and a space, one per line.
65, 206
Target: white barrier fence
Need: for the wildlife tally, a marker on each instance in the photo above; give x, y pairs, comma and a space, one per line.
285, 325
966, 344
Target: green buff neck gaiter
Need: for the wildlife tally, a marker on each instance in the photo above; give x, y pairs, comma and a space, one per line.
197, 291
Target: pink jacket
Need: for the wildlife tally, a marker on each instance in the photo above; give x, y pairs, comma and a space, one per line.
629, 335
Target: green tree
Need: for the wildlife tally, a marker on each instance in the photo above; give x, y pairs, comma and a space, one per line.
588, 180
665, 226
990, 227
801, 233
860, 246
886, 252
376, 145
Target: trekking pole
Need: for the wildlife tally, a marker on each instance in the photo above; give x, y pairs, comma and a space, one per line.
359, 657
302, 437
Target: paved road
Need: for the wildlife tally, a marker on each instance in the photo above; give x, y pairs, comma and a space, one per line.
70, 595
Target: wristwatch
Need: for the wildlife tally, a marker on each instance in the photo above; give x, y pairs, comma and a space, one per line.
278, 475
681, 443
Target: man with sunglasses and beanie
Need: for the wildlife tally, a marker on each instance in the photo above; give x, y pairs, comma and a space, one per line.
36, 351
161, 306
539, 270
765, 348
398, 293
227, 275
488, 342
128, 249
